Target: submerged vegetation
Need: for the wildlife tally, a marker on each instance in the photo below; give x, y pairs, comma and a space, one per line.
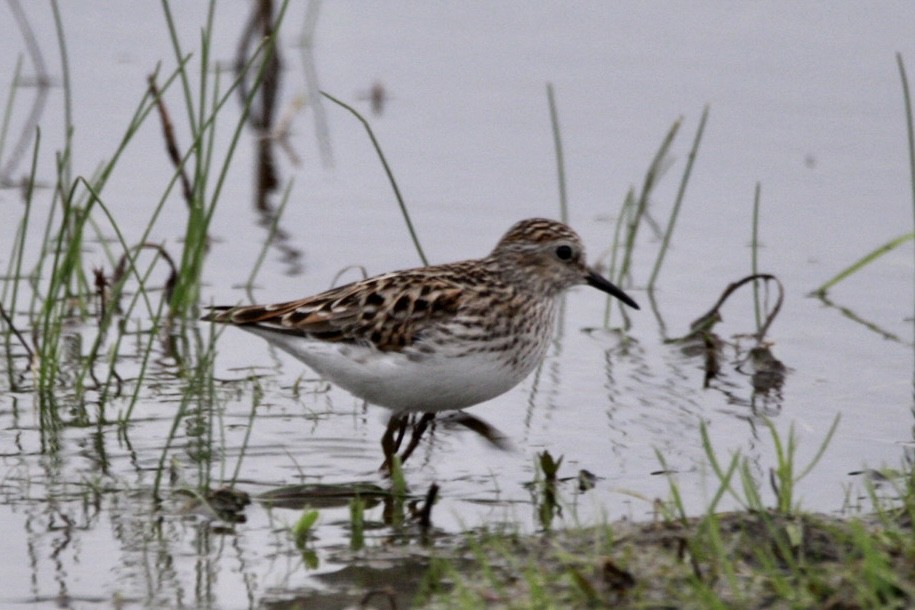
758, 557
721, 560
96, 319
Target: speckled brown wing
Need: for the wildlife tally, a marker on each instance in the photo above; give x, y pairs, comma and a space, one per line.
388, 311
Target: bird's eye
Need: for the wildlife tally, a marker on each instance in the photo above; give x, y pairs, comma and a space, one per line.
564, 253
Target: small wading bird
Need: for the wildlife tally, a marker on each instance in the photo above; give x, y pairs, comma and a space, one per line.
436, 338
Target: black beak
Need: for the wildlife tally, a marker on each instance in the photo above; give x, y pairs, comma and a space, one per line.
603, 284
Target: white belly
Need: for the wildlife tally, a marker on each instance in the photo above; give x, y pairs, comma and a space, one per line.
401, 382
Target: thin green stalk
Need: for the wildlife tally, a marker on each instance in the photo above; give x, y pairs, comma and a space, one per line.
724, 476
861, 263
195, 237
19, 244
255, 402
785, 476
724, 483
910, 133
651, 179
8, 110
560, 160
45, 254
170, 437
398, 491
65, 78
208, 410
821, 449
672, 221
751, 499
910, 130
357, 523
754, 256
66, 257
202, 165
387, 170
676, 499
628, 203
152, 337
76, 283
176, 46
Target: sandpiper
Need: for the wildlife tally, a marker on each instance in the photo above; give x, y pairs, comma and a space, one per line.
434, 338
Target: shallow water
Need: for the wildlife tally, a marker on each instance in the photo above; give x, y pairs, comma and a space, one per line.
806, 101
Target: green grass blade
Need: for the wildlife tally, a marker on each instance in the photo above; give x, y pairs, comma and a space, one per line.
387, 170
861, 263
681, 191
754, 258
910, 130
8, 110
910, 133
560, 159
65, 76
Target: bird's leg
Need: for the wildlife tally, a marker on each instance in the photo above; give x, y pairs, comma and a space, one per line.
403, 422
418, 429
390, 444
